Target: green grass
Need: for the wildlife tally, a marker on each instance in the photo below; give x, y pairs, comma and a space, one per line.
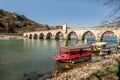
111, 71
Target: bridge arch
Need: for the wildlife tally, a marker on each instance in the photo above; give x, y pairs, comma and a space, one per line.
72, 34
108, 36
80, 32
30, 36
90, 36
49, 35
41, 36
58, 35
35, 36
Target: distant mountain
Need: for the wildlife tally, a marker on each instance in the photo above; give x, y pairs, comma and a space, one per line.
15, 23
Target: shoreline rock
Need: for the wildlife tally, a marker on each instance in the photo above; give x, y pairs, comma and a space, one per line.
85, 71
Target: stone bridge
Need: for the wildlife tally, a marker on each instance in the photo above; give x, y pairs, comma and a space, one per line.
79, 33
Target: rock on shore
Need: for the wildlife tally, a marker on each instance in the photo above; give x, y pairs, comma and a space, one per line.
84, 72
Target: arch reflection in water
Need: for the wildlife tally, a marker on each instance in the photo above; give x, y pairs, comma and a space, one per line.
109, 37
72, 36
89, 37
59, 36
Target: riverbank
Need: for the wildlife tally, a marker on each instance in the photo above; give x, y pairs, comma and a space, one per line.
11, 36
85, 72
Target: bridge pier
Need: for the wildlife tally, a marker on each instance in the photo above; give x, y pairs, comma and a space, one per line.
98, 39
118, 37
65, 36
80, 39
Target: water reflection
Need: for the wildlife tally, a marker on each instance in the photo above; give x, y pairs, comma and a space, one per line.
61, 67
111, 40
27, 57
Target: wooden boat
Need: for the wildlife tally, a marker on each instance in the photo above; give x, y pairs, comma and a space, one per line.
73, 54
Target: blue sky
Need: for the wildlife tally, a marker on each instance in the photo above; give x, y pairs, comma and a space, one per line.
76, 13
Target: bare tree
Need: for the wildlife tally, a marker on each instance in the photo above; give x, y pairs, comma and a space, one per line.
114, 17
115, 4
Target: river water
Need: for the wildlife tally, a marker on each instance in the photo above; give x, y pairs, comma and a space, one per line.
24, 59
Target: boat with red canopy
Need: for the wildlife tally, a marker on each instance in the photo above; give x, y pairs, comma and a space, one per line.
73, 54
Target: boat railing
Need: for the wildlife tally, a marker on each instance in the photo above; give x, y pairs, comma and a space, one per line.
110, 50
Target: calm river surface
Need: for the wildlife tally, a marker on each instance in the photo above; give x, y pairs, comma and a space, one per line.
21, 59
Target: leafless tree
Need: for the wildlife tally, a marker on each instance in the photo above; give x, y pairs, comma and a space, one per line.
114, 16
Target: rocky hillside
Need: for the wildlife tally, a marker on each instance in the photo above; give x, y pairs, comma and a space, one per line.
15, 23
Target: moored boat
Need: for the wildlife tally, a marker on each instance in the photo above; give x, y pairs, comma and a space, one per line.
73, 54
99, 48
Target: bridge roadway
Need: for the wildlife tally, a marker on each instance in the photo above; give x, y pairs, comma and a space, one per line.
79, 33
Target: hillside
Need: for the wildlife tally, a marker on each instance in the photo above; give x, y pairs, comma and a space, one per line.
15, 23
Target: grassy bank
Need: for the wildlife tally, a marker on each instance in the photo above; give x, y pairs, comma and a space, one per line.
109, 73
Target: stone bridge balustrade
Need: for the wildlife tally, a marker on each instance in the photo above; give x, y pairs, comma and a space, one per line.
80, 33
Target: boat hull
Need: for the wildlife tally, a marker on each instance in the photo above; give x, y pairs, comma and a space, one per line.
61, 59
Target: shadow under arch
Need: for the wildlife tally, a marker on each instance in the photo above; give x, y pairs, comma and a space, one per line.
30, 36
41, 36
59, 35
49, 36
35, 36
